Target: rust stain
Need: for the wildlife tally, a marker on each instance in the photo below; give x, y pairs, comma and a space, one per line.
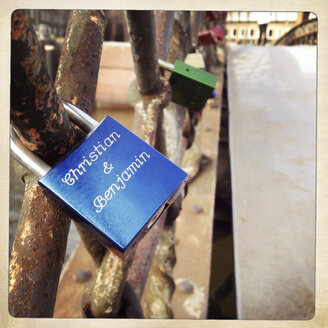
33, 133
37, 255
75, 100
18, 28
30, 145
62, 150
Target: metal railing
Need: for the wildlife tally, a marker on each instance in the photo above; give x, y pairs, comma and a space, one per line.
44, 127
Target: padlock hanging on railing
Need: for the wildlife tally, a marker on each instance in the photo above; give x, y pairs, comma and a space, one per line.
218, 31
191, 87
112, 183
206, 38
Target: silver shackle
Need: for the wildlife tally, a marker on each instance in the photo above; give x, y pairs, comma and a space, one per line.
165, 65
32, 162
79, 117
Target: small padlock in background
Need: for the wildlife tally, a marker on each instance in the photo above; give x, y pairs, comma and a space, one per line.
191, 87
113, 183
218, 31
207, 37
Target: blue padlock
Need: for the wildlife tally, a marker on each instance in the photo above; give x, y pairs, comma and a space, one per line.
113, 183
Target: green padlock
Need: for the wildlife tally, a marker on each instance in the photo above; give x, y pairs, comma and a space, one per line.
191, 87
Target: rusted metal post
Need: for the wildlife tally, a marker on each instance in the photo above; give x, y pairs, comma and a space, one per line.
141, 29
80, 58
149, 93
160, 285
164, 25
77, 77
80, 63
103, 296
39, 118
80, 75
37, 255
147, 109
197, 19
35, 108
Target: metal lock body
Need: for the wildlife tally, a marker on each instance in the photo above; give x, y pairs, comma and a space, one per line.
115, 185
191, 87
206, 38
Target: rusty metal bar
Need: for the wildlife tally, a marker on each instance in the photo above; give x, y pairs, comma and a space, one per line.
147, 109
160, 285
104, 297
37, 254
43, 126
138, 273
80, 58
35, 108
197, 19
164, 25
77, 78
141, 28
38, 115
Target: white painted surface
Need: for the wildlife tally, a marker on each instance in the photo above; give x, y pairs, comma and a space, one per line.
272, 104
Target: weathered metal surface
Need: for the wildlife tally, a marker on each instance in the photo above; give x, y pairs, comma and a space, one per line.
147, 109
141, 28
170, 134
37, 254
180, 43
138, 273
37, 113
45, 128
77, 78
36, 110
304, 33
80, 58
103, 295
102, 298
197, 19
194, 226
160, 284
70, 290
164, 25
95, 249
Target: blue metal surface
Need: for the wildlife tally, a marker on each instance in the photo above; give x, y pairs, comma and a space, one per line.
116, 184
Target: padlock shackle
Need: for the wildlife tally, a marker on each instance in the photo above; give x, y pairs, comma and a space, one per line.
165, 65
33, 162
26, 157
79, 117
